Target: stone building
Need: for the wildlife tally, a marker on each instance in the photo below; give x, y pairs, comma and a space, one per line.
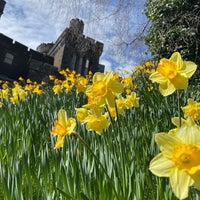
71, 50
74, 51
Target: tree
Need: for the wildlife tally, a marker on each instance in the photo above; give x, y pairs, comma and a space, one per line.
175, 26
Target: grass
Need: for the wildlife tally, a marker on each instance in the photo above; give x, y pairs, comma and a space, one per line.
113, 166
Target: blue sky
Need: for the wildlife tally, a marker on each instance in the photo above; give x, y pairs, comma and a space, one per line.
32, 22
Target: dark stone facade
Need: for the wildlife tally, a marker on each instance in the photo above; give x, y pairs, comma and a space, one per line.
18, 60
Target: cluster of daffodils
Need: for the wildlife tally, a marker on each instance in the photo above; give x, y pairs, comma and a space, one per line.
70, 81
106, 99
142, 73
18, 91
179, 158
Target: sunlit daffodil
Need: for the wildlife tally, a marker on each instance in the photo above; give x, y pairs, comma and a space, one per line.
37, 90
173, 73
22, 94
57, 89
4, 93
20, 79
179, 159
81, 84
128, 81
81, 114
104, 88
97, 123
192, 109
14, 99
5, 85
62, 127
132, 100
112, 112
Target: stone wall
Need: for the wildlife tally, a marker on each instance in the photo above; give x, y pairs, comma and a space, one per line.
18, 60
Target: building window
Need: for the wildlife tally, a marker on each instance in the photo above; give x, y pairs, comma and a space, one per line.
8, 58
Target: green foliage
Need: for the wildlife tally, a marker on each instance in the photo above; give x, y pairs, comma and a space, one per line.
31, 169
175, 26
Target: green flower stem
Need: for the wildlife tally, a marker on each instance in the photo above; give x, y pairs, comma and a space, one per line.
97, 160
198, 192
122, 153
179, 107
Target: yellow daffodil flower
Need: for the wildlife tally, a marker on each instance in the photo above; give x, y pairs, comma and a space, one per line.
57, 89
97, 123
37, 90
192, 109
5, 85
104, 88
62, 127
120, 104
81, 114
81, 84
112, 112
14, 99
4, 93
22, 94
173, 74
128, 82
132, 100
179, 159
20, 79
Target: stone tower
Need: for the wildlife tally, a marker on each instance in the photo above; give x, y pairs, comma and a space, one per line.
2, 5
75, 51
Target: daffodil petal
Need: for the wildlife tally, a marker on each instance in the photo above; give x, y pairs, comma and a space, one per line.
108, 77
166, 88
110, 99
71, 125
161, 166
97, 77
175, 121
180, 182
190, 68
157, 77
189, 134
167, 142
180, 82
176, 57
60, 142
115, 86
62, 117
